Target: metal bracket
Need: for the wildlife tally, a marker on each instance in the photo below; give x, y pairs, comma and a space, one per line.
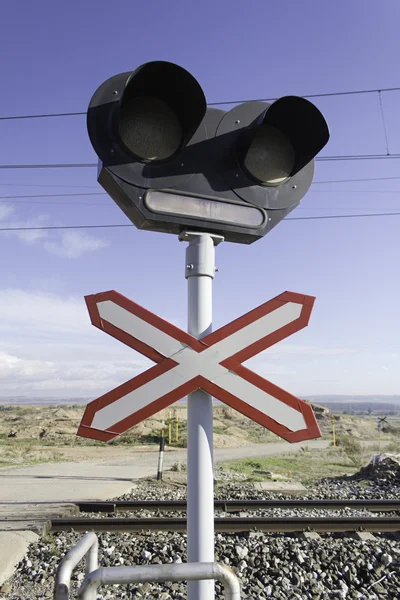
188, 236
200, 255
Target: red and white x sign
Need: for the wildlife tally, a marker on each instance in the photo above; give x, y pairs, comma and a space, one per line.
185, 364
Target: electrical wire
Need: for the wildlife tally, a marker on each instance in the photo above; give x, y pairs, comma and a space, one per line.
57, 185
357, 157
387, 214
351, 192
92, 165
309, 218
51, 166
112, 205
351, 180
16, 198
52, 185
56, 195
326, 95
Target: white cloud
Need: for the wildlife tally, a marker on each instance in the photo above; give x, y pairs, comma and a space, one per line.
30, 370
290, 349
41, 315
5, 211
72, 244
49, 348
64, 243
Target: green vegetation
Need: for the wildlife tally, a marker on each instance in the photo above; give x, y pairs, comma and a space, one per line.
31, 434
220, 429
305, 465
353, 449
394, 446
300, 467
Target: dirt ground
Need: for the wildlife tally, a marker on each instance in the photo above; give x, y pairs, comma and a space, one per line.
31, 434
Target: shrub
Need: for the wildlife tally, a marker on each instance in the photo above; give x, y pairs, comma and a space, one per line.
352, 448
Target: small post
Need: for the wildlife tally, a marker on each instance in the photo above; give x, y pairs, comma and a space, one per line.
169, 427
333, 430
177, 429
161, 457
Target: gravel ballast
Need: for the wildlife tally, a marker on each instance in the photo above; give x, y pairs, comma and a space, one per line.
268, 566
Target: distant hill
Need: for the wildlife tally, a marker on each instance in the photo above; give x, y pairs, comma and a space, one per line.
349, 398
336, 403
359, 404
43, 401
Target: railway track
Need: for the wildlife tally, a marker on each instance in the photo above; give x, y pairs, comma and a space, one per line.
45, 517
232, 524
232, 506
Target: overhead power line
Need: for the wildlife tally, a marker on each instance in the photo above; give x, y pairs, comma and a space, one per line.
357, 157
57, 185
92, 165
351, 192
58, 227
52, 185
42, 116
51, 166
16, 198
326, 95
351, 180
56, 195
386, 214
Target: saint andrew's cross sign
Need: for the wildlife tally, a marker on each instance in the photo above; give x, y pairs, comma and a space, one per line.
213, 364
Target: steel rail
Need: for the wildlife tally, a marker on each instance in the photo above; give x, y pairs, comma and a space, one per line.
231, 524
238, 505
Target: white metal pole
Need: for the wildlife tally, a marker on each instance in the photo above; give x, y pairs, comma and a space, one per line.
200, 271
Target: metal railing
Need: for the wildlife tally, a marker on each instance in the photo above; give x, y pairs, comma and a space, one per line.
88, 546
95, 577
159, 573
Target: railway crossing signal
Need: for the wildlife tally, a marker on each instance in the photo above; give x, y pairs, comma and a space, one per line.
185, 364
171, 163
174, 165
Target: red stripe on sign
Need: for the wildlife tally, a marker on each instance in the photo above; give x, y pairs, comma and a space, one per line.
258, 313
243, 321
233, 363
119, 334
144, 413
271, 339
259, 417
94, 434
267, 386
125, 389
300, 298
143, 314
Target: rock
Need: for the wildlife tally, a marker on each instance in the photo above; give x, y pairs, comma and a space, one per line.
6, 588
241, 551
386, 559
383, 467
269, 566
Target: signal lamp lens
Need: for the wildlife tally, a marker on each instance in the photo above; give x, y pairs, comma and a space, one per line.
149, 128
270, 158
204, 208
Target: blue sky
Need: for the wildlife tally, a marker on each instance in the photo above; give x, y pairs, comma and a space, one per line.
52, 58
